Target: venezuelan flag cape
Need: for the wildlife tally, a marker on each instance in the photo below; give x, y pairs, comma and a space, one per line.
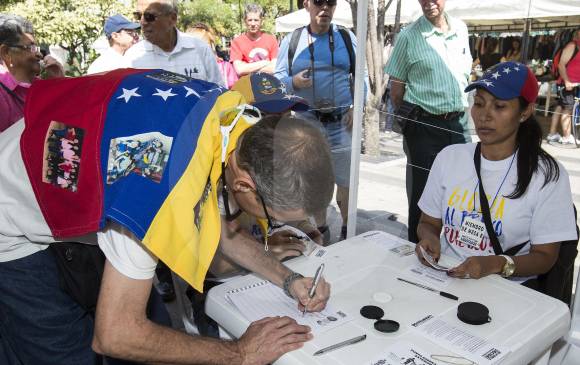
139, 147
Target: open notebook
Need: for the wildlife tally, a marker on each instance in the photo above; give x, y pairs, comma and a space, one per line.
264, 299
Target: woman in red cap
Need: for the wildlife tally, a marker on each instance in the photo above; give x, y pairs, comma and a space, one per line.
503, 205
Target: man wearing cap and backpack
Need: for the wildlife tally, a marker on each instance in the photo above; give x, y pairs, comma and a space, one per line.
121, 34
316, 62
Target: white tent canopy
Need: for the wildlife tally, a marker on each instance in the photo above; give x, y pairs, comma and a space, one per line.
473, 12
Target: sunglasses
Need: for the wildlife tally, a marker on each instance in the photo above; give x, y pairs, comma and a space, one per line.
31, 47
322, 2
149, 17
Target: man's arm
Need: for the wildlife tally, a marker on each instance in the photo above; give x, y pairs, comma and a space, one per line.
243, 68
122, 330
241, 248
397, 92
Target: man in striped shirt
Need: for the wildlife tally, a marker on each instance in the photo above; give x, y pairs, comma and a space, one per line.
429, 69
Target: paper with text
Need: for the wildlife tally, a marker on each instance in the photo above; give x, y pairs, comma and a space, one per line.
264, 299
428, 275
403, 353
459, 341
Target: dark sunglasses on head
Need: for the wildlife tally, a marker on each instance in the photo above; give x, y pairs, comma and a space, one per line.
322, 2
149, 17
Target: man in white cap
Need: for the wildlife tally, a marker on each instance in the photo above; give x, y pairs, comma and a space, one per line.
122, 34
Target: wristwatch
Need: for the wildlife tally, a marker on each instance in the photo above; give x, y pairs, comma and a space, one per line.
509, 267
288, 282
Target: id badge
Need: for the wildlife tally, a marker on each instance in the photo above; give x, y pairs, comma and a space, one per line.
471, 232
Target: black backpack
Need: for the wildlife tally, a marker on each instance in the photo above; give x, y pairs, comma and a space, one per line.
295, 38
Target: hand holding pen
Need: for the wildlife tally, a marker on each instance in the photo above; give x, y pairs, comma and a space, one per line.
313, 293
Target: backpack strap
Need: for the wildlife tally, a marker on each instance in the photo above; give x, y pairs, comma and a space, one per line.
12, 94
348, 43
294, 39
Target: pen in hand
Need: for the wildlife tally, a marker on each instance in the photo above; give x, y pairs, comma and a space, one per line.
312, 291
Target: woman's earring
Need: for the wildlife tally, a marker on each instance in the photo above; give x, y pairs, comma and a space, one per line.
11, 65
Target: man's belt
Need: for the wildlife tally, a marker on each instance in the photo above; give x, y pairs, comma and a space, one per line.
329, 117
422, 113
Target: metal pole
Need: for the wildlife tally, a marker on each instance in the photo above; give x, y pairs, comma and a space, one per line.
359, 101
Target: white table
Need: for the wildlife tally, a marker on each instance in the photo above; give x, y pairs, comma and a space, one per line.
525, 321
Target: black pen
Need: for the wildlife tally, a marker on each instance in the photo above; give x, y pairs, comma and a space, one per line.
352, 341
442, 293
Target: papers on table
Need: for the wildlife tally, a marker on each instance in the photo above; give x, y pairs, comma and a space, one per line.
394, 244
263, 299
460, 341
428, 274
311, 246
404, 353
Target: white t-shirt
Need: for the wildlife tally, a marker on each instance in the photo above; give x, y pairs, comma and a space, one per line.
107, 61
544, 214
191, 57
23, 229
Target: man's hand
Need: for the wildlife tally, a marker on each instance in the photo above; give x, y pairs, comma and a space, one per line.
476, 267
432, 247
302, 79
269, 338
285, 244
348, 119
52, 67
569, 85
300, 288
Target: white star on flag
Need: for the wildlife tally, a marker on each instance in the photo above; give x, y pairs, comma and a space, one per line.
495, 75
128, 94
487, 82
190, 91
517, 68
164, 94
507, 70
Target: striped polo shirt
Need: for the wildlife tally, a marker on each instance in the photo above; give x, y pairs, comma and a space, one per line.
435, 65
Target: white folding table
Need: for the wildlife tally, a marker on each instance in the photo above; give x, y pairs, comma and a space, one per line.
524, 321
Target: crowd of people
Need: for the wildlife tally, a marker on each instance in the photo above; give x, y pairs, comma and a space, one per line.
240, 150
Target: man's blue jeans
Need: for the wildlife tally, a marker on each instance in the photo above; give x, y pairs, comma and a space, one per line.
39, 323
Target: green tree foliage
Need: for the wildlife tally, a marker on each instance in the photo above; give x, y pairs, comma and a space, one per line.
226, 16
73, 25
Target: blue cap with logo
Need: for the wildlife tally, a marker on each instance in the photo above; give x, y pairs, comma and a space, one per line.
117, 22
508, 80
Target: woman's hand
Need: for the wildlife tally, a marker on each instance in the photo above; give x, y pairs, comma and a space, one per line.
476, 267
285, 244
431, 246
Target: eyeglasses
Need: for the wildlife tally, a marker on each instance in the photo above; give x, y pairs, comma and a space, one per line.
149, 17
322, 2
271, 225
31, 47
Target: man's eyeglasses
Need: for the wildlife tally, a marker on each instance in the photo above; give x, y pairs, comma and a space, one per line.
322, 2
149, 17
31, 47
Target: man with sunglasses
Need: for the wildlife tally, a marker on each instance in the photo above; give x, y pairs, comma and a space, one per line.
121, 34
320, 71
165, 47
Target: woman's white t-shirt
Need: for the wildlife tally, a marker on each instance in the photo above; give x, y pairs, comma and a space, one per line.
544, 214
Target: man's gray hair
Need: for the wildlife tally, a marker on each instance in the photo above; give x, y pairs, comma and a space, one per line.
13, 27
289, 160
171, 5
253, 8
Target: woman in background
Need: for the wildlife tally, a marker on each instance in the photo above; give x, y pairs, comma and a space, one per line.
22, 62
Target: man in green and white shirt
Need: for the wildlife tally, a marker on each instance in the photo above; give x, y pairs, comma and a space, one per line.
429, 69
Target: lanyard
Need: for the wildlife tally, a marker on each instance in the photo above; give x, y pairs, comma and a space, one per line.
500, 185
311, 51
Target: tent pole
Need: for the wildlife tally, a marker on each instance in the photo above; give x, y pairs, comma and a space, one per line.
358, 114
526, 41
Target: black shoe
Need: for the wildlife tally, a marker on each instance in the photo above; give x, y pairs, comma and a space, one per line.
166, 291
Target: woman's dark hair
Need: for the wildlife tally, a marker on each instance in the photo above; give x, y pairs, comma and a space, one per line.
531, 155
